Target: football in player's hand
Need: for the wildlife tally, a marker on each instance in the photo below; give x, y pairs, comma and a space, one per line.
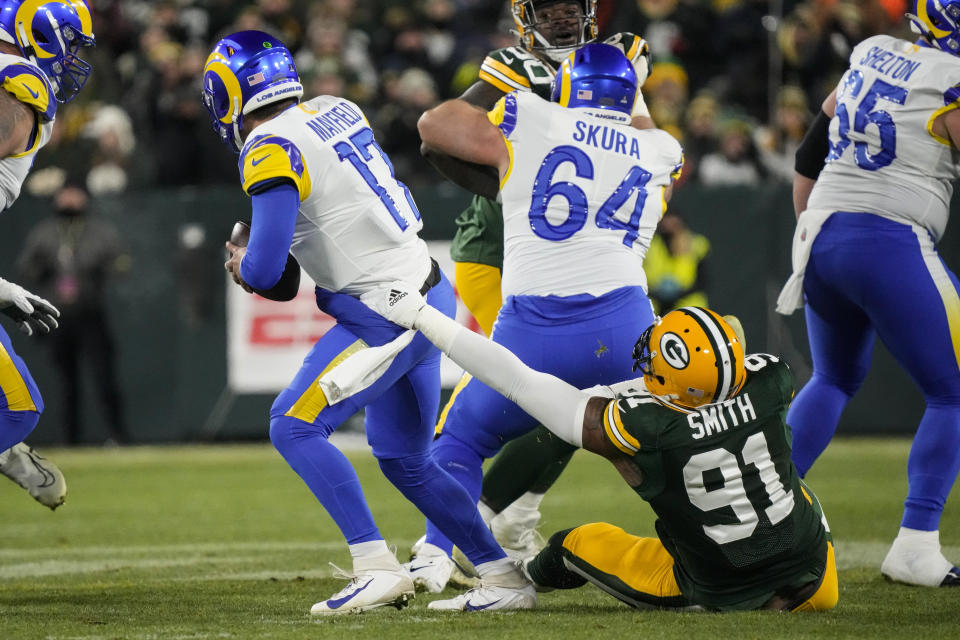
240, 235
289, 283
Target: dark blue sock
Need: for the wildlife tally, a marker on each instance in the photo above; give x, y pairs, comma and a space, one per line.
328, 473
447, 505
932, 466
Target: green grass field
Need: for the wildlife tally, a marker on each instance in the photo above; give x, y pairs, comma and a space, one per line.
226, 542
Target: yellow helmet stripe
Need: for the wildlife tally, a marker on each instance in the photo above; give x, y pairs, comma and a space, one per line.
229, 81
925, 17
24, 17
83, 12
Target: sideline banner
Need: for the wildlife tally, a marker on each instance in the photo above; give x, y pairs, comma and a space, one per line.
267, 340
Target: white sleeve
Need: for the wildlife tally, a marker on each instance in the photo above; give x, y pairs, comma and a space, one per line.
554, 403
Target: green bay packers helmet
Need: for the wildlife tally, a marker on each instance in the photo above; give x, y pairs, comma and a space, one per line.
692, 357
554, 37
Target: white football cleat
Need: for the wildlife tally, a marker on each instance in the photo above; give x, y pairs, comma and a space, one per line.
917, 559
369, 588
504, 592
430, 569
515, 529
40, 477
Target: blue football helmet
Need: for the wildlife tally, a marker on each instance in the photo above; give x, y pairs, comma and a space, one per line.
939, 21
245, 71
597, 76
50, 34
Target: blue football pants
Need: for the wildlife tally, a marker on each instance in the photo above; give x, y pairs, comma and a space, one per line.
869, 276
401, 409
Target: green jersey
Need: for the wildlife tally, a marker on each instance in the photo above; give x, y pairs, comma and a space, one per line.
731, 509
479, 236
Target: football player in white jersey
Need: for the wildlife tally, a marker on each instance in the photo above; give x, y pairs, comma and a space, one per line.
547, 32
582, 193
865, 261
40, 65
322, 189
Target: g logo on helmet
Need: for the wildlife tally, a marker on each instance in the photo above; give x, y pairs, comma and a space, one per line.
674, 350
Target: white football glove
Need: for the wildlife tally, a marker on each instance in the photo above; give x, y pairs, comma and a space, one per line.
398, 302
32, 313
627, 42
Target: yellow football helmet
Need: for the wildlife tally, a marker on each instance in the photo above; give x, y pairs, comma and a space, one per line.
530, 27
691, 357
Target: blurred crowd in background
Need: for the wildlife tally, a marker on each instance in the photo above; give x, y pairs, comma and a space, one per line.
736, 81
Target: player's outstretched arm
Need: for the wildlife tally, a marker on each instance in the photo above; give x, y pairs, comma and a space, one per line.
554, 403
476, 178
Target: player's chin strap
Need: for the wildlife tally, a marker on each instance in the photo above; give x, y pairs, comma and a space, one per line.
235, 120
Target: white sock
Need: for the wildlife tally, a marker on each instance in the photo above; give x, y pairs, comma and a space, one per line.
529, 501
919, 537
373, 555
367, 550
495, 567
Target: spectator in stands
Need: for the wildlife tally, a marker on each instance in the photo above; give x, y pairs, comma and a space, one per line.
407, 97
71, 258
737, 161
778, 141
700, 133
666, 94
674, 265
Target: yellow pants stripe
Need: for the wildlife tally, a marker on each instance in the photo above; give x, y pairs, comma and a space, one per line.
948, 293
13, 385
453, 396
312, 401
479, 288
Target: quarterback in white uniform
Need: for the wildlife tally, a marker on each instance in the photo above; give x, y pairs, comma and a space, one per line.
39, 66
322, 189
866, 264
582, 194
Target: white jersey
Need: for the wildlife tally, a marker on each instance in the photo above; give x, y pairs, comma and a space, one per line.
884, 157
357, 225
581, 199
27, 83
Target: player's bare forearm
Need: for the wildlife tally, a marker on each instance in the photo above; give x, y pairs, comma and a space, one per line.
462, 130
475, 178
16, 123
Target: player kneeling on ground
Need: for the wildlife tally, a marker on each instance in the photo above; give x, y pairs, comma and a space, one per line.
700, 436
